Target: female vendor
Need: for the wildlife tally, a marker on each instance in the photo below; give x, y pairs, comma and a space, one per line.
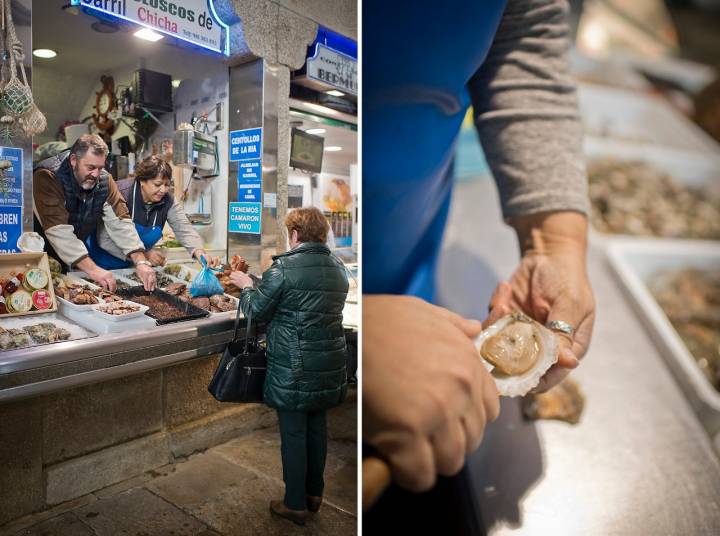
151, 205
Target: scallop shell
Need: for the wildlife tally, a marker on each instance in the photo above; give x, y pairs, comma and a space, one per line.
517, 351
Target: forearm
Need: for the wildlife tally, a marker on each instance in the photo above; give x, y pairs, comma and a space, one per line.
552, 233
526, 112
87, 265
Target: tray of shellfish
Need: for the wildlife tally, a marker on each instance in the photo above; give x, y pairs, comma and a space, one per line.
652, 191
674, 285
16, 333
80, 295
179, 286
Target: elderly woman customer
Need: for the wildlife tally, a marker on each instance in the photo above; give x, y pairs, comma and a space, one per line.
302, 296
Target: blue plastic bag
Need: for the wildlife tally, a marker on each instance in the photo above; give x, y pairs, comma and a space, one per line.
205, 283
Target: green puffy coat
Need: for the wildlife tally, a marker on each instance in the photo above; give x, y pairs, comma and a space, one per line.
302, 296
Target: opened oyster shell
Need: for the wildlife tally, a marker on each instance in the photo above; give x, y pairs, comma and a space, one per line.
517, 351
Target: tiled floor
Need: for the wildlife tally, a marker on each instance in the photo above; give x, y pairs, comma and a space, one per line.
224, 491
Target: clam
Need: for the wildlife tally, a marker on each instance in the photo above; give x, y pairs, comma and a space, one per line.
517, 351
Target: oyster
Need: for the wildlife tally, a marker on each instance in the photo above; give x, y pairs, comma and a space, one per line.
517, 351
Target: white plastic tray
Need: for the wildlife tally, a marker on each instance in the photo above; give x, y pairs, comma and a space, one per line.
120, 318
689, 169
65, 304
639, 118
634, 261
76, 332
92, 321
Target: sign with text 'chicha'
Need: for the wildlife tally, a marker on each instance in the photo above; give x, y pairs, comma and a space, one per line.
193, 21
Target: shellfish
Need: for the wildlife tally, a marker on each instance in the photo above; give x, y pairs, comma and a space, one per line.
517, 351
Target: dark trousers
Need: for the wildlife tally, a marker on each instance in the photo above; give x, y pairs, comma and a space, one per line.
304, 449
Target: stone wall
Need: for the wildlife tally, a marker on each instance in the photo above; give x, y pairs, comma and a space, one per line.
61, 446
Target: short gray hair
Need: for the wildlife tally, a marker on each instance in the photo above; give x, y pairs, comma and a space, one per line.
89, 142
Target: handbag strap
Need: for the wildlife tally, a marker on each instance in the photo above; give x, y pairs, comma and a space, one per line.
247, 329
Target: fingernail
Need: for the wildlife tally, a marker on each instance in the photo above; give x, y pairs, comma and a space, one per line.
570, 358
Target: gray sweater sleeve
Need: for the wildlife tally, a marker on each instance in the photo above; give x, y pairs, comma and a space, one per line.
526, 112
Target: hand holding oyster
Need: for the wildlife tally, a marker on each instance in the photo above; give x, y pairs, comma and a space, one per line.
517, 351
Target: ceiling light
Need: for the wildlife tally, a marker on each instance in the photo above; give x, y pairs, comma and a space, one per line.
321, 109
176, 83
148, 35
44, 53
315, 131
333, 148
335, 93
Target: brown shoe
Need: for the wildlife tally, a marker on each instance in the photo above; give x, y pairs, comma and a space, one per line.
296, 516
313, 503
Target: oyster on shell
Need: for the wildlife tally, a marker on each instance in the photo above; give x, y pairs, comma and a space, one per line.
517, 351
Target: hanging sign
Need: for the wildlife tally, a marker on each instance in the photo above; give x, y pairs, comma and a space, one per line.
245, 218
246, 144
11, 199
333, 68
194, 21
250, 180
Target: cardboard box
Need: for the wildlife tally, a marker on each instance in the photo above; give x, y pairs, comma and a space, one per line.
21, 262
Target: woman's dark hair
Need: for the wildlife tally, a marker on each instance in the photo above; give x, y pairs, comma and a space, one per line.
150, 167
310, 224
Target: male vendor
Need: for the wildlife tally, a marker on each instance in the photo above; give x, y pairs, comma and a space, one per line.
72, 192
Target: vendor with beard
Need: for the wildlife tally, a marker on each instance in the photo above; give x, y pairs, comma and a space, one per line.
151, 205
72, 194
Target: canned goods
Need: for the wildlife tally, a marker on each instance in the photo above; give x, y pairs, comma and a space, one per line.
20, 301
41, 299
35, 279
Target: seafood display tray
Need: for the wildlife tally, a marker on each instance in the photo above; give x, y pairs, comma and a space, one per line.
120, 318
637, 118
689, 169
76, 332
65, 304
190, 312
634, 262
91, 321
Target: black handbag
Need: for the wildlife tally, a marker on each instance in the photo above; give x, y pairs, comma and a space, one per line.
241, 373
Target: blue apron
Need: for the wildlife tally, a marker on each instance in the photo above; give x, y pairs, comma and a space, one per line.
148, 235
417, 61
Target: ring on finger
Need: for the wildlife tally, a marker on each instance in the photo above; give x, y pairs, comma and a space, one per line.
561, 326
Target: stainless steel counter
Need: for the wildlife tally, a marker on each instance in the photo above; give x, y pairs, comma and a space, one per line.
43, 369
637, 463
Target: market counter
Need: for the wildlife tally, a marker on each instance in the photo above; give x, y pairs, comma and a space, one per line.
80, 415
43, 369
639, 461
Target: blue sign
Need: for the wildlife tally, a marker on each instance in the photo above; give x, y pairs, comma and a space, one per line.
246, 144
250, 181
245, 218
11, 199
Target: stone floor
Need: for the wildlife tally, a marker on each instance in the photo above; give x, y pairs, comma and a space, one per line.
224, 491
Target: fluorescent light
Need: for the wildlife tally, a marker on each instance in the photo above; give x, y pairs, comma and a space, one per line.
335, 93
321, 109
148, 35
44, 53
316, 131
333, 148
176, 83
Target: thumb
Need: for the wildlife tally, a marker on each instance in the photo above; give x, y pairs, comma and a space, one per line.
471, 328
500, 303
